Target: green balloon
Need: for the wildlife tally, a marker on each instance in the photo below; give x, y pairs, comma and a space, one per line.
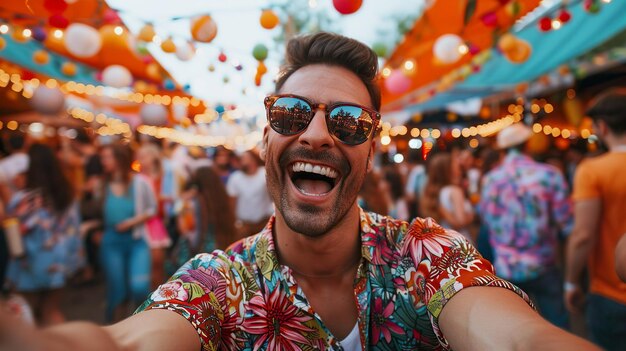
260, 52
380, 49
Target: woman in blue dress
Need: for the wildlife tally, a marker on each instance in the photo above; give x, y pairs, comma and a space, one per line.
49, 221
129, 201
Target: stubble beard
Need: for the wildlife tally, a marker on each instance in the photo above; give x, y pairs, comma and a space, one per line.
309, 220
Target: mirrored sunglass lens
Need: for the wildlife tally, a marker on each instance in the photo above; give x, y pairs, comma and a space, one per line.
351, 124
289, 115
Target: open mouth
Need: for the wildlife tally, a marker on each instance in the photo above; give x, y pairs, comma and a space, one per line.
311, 179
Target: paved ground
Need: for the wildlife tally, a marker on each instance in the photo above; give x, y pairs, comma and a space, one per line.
85, 302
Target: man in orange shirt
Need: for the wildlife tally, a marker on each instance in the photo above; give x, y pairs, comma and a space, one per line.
600, 201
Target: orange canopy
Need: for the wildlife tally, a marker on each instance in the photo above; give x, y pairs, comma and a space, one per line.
477, 22
116, 49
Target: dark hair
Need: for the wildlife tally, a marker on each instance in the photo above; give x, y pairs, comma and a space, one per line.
214, 206
610, 107
16, 141
336, 50
439, 175
46, 175
123, 156
396, 183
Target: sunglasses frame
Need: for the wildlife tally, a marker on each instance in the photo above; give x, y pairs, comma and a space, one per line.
270, 100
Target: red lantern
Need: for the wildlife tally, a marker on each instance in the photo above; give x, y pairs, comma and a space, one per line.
490, 19
346, 7
222, 57
55, 6
58, 21
545, 24
564, 16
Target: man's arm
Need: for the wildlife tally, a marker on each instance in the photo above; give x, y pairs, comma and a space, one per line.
579, 245
490, 318
149, 330
620, 258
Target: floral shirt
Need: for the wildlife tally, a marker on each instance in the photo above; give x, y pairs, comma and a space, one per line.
244, 299
525, 205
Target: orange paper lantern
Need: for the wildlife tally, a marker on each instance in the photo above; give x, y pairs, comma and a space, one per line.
269, 20
203, 29
41, 57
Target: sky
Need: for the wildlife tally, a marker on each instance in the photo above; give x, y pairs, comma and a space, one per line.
238, 32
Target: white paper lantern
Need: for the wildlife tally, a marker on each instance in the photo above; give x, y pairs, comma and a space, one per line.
446, 48
153, 115
82, 40
179, 111
117, 76
185, 52
49, 101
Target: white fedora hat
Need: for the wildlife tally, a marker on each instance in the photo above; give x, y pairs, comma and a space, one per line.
513, 135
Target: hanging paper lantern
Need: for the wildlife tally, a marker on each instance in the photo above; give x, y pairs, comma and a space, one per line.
473, 49
507, 42
82, 40
397, 82
269, 20
564, 16
168, 84
591, 6
153, 114
117, 76
58, 21
203, 29
513, 9
446, 48
48, 101
545, 24
41, 57
520, 53
110, 16
260, 71
185, 52
211, 68
153, 71
346, 7
55, 6
18, 35
168, 46
489, 19
238, 67
220, 109
380, 49
179, 112
39, 34
222, 57
146, 33
142, 50
225, 79
3, 43
259, 52
68, 69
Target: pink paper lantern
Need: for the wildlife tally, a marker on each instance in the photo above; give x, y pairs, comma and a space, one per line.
397, 82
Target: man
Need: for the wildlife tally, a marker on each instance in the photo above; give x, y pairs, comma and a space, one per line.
600, 200
222, 159
250, 200
526, 208
324, 274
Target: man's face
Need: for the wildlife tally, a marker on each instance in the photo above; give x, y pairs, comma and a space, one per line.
310, 204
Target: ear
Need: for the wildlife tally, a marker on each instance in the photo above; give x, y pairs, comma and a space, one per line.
263, 151
370, 156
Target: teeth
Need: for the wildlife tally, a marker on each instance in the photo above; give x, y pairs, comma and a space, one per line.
307, 167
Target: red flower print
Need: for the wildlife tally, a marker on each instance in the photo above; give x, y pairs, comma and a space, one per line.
382, 323
382, 253
426, 238
277, 321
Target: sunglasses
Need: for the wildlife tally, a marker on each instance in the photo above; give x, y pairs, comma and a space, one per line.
290, 114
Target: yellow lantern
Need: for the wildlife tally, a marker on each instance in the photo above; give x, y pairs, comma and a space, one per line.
68, 69
168, 46
41, 57
203, 29
146, 33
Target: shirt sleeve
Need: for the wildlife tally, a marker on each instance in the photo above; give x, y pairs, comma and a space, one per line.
197, 291
448, 263
585, 183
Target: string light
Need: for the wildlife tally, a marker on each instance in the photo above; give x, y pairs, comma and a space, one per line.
58, 34
4, 29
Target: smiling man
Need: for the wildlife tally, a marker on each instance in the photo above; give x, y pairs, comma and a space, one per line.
324, 274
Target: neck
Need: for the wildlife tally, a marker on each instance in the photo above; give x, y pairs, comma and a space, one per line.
252, 170
332, 255
616, 142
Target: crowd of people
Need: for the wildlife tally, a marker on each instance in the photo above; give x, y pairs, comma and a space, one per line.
132, 214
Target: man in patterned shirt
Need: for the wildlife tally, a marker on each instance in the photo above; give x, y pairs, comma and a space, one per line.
526, 208
323, 274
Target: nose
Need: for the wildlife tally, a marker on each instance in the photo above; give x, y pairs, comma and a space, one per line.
316, 135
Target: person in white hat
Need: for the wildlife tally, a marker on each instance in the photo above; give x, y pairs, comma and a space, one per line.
526, 209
